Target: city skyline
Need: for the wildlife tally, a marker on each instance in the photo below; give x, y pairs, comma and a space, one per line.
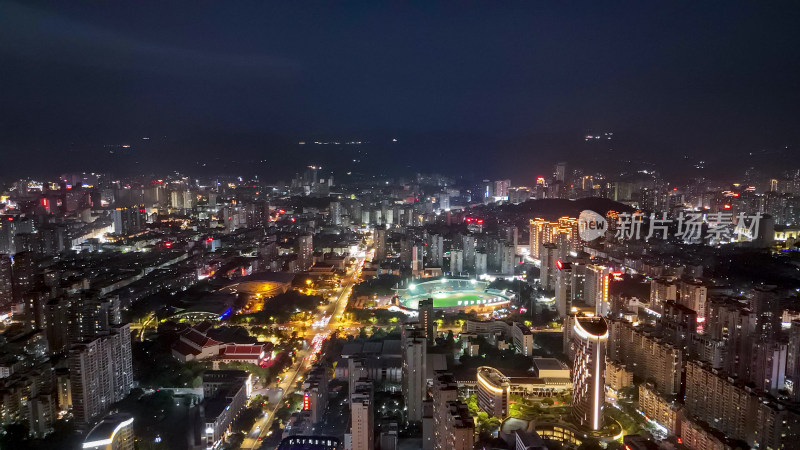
387, 226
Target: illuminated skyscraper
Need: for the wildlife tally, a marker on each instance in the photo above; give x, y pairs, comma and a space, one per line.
589, 338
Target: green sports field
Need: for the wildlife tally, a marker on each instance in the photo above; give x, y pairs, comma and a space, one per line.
447, 302
453, 299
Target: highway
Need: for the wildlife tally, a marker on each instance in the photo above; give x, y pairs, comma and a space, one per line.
302, 366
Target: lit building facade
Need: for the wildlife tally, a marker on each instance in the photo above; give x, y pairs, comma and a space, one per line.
493, 388
590, 336
114, 432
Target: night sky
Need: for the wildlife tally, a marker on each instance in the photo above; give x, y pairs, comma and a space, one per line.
473, 88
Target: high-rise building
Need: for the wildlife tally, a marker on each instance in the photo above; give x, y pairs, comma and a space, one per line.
24, 270
732, 323
662, 290
659, 408
129, 219
435, 250
305, 252
647, 354
315, 393
335, 210
481, 262
560, 172
379, 241
469, 255
693, 295
445, 389
563, 232
460, 427
596, 287
456, 261
508, 258
565, 287
426, 319
768, 365
590, 337
549, 266
101, 373
501, 188
6, 285
793, 360
362, 429
765, 305
711, 397
414, 375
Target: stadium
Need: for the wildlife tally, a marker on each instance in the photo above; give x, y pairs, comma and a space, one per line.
453, 294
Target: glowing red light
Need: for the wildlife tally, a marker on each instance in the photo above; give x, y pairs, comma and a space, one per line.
479, 220
168, 244
281, 211
735, 194
210, 239
44, 202
727, 206
292, 219
701, 319
559, 264
306, 402
468, 219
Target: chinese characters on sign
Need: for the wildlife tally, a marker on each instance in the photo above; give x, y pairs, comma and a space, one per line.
716, 228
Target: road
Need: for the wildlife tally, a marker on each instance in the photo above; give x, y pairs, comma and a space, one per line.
302, 366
